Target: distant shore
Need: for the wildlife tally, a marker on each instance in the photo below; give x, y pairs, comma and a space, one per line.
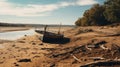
8, 29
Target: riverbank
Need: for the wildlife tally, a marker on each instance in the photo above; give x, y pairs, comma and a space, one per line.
87, 45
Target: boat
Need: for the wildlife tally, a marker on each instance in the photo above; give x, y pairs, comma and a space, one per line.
50, 36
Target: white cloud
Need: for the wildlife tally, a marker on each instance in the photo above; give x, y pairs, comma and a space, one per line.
7, 8
86, 2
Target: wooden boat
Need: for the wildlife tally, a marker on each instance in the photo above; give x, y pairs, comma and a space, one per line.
50, 36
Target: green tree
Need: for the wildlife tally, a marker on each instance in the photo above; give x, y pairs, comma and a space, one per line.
78, 22
101, 14
112, 10
96, 16
93, 16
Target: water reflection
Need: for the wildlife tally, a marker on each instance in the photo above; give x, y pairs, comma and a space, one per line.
16, 34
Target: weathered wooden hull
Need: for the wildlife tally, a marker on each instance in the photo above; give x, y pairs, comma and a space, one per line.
49, 36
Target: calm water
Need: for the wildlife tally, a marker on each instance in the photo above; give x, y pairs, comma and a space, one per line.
16, 34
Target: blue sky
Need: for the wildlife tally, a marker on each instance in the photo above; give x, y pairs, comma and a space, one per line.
44, 11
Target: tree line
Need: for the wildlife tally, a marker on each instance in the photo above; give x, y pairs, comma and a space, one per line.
105, 14
11, 25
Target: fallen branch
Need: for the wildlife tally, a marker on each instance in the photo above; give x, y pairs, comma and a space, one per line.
75, 58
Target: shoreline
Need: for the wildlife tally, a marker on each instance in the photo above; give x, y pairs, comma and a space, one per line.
10, 29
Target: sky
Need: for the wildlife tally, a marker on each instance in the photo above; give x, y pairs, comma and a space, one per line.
44, 11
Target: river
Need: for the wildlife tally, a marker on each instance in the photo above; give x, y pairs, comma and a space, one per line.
16, 34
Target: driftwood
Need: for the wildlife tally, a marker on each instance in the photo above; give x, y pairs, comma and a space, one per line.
75, 58
102, 61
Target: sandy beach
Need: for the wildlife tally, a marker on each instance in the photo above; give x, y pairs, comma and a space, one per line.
59, 33
30, 51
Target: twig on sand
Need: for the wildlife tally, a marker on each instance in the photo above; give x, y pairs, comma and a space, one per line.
75, 58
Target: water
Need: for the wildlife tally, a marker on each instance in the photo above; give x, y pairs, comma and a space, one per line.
16, 34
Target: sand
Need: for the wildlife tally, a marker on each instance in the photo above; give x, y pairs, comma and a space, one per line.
8, 29
30, 51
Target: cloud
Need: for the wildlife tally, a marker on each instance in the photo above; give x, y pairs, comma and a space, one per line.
7, 8
86, 2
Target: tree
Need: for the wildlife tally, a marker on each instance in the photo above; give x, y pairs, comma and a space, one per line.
112, 10
78, 22
101, 14
93, 16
